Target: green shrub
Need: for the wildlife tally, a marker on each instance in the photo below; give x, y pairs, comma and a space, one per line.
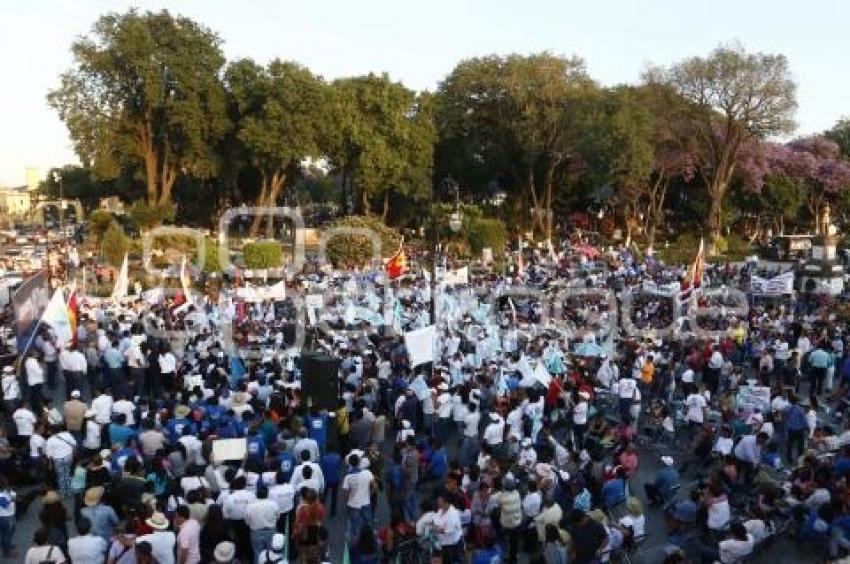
114, 245
680, 251
99, 222
211, 260
146, 216
487, 232
357, 249
263, 254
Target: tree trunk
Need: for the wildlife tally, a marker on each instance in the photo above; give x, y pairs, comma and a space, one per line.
151, 159
169, 176
537, 219
549, 189
275, 186
261, 203
364, 202
386, 206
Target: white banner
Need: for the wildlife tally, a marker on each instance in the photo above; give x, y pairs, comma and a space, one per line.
454, 277
261, 293
782, 284
420, 345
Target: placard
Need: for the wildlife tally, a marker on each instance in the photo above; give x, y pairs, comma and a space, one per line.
754, 398
229, 449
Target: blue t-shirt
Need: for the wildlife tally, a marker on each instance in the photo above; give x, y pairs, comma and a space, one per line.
317, 429
120, 434
613, 492
491, 556
175, 427
287, 464
331, 464
439, 465
256, 448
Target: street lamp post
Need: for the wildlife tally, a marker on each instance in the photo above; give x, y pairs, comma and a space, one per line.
448, 184
57, 177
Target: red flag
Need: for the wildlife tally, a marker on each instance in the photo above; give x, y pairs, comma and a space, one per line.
396, 265
73, 313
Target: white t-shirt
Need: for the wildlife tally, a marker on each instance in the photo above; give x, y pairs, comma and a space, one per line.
444, 405
636, 522
37, 444
471, 422
25, 421
732, 550
357, 486
580, 413
35, 374
127, 408
88, 549
284, 496
626, 388
102, 406
92, 440
11, 388
38, 554
162, 545
696, 404
60, 446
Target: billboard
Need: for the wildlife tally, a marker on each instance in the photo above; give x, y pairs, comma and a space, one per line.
29, 303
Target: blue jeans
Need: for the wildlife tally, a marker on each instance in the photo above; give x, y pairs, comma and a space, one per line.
357, 518
7, 529
261, 539
410, 508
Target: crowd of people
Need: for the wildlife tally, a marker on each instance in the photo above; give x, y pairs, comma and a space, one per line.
526, 437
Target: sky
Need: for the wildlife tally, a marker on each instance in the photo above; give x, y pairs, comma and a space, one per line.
419, 42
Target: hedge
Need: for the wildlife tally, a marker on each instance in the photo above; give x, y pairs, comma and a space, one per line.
263, 254
357, 249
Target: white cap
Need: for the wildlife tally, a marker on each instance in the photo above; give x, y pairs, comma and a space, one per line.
667, 460
75, 394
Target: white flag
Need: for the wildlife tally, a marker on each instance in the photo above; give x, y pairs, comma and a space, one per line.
420, 345
122, 283
56, 316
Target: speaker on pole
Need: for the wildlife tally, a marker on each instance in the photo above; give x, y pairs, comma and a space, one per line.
320, 380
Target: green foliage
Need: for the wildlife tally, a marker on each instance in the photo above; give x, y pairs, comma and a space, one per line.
488, 232
840, 135
147, 216
356, 249
114, 244
680, 251
211, 258
144, 91
476, 233
99, 222
383, 139
263, 254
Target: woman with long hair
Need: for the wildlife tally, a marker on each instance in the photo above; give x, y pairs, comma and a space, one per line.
215, 530
54, 520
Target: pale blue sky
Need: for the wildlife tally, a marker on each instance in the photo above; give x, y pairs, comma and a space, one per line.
419, 42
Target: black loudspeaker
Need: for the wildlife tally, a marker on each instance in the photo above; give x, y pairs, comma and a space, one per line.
320, 380
289, 333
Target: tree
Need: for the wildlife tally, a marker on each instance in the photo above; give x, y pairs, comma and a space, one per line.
518, 118
383, 139
145, 90
729, 97
840, 135
77, 183
281, 111
815, 163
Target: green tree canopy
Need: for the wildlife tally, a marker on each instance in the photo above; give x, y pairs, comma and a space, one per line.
383, 139
144, 91
282, 112
728, 98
